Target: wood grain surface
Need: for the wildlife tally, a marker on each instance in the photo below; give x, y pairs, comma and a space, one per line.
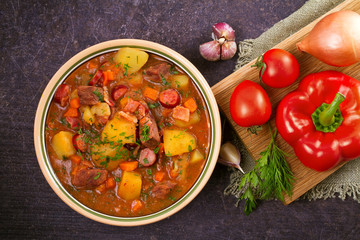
305, 178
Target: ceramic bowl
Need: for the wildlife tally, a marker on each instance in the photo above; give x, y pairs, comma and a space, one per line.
68, 68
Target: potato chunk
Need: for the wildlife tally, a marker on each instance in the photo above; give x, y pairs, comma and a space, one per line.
63, 145
196, 156
108, 156
131, 59
177, 142
119, 130
179, 81
136, 79
87, 115
101, 109
194, 118
130, 186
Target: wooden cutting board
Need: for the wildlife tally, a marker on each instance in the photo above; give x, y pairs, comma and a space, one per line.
305, 178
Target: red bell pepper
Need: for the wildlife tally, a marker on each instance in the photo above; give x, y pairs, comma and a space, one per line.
321, 119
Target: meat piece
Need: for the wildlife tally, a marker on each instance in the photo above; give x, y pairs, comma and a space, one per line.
74, 122
149, 133
89, 178
147, 157
142, 110
169, 98
89, 95
79, 142
96, 77
62, 94
107, 97
119, 91
128, 116
157, 72
131, 106
181, 113
161, 189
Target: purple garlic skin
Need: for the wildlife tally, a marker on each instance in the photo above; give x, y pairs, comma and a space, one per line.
223, 47
224, 30
228, 50
210, 50
230, 156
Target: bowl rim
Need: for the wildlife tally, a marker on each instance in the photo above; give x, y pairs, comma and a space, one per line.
73, 64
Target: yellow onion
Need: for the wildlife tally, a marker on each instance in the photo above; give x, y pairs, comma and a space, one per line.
335, 40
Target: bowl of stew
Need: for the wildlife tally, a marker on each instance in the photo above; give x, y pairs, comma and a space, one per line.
127, 132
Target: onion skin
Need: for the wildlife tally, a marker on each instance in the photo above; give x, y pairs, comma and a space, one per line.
335, 40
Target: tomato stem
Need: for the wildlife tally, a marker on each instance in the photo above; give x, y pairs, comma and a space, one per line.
260, 65
254, 129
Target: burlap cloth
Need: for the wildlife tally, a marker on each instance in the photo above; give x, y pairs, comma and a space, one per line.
344, 182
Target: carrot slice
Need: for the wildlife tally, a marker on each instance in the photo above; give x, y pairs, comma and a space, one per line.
191, 104
129, 166
75, 102
110, 183
76, 159
136, 205
110, 75
151, 93
101, 188
159, 176
72, 112
161, 148
105, 78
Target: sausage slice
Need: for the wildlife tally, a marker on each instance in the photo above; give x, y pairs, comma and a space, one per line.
147, 157
169, 98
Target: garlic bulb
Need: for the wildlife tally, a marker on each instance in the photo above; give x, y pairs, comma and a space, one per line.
223, 47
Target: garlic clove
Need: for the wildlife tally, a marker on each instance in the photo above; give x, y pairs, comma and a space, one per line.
230, 156
224, 30
228, 50
210, 51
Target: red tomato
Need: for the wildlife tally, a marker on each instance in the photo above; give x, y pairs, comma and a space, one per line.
282, 68
250, 105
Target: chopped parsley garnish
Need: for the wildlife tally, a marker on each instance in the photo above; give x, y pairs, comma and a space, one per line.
146, 161
180, 134
80, 155
189, 148
99, 95
117, 179
126, 67
149, 172
164, 80
153, 105
97, 176
172, 198
145, 133
156, 150
173, 71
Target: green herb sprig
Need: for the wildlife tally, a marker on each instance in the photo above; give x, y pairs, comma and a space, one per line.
270, 177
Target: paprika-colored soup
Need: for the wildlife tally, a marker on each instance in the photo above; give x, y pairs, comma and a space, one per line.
127, 133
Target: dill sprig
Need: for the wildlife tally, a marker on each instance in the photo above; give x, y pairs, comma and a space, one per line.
270, 177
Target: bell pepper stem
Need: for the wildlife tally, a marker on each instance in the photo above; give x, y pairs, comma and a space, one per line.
326, 117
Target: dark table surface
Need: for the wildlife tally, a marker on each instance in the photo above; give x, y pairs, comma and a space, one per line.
37, 37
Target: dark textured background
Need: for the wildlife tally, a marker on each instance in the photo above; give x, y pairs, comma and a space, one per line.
38, 37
